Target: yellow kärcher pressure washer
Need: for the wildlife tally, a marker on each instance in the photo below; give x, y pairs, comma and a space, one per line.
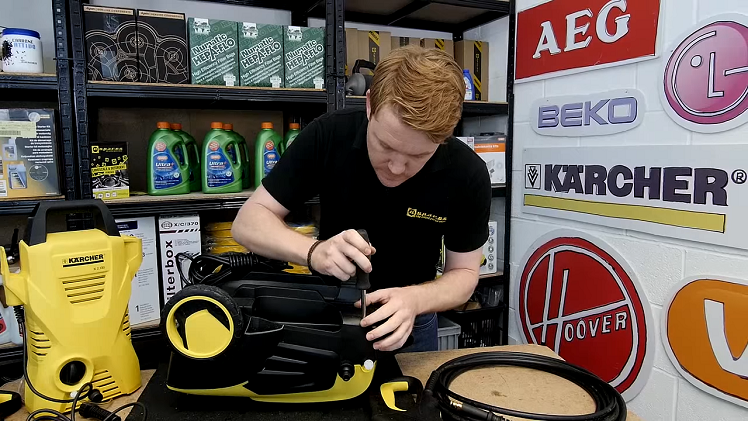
74, 288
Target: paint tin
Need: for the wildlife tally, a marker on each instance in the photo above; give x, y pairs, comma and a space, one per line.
21, 51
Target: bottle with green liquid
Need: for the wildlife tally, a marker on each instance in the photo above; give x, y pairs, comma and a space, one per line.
244, 152
293, 131
222, 163
194, 156
266, 152
168, 168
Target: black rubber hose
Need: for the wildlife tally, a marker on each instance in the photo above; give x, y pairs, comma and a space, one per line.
609, 404
213, 269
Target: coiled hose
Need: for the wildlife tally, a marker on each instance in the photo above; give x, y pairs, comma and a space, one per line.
210, 269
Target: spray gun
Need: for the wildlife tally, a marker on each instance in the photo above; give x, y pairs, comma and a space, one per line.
362, 278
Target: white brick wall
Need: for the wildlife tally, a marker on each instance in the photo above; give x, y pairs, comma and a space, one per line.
658, 262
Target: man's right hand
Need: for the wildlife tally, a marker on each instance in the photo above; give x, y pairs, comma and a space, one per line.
336, 256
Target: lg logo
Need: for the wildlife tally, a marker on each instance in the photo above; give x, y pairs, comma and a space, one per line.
705, 84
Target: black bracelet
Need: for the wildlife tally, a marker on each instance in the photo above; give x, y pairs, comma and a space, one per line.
309, 254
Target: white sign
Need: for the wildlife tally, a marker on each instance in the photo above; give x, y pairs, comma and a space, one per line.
695, 193
144, 298
588, 115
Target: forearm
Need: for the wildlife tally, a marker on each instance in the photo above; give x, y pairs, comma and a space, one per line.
454, 288
264, 233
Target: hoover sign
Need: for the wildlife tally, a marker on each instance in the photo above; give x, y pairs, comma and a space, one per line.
607, 331
588, 115
695, 193
704, 334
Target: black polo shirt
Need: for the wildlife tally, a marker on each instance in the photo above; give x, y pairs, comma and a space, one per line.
449, 197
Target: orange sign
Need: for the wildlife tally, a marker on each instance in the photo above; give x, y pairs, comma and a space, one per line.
706, 336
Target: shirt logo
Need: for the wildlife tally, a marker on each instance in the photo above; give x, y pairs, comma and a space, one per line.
413, 213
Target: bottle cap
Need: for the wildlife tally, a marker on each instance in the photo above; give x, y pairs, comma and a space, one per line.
294, 126
267, 125
163, 125
216, 125
176, 126
228, 126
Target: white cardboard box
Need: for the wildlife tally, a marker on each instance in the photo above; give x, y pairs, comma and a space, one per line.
493, 150
177, 234
489, 264
144, 299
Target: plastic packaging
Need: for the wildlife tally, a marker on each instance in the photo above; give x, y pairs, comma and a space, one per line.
169, 165
194, 156
293, 131
469, 87
21, 51
222, 163
266, 152
244, 151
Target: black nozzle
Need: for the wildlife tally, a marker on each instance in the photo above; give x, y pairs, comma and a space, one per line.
362, 277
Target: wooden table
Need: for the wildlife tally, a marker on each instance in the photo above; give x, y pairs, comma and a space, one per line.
518, 388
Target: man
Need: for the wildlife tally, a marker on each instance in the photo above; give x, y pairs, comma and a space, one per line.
396, 171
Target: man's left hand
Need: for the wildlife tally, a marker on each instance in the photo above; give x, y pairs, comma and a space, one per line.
399, 308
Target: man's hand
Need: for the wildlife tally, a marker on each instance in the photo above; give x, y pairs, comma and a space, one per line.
336, 256
401, 305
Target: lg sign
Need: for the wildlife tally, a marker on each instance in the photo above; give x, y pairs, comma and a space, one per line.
569, 36
705, 87
589, 115
606, 331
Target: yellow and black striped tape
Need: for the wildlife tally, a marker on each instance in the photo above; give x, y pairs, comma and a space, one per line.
374, 46
477, 66
439, 42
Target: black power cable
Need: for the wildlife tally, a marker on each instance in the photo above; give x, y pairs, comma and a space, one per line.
212, 269
609, 404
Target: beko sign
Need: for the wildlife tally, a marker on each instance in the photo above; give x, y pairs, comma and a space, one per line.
588, 115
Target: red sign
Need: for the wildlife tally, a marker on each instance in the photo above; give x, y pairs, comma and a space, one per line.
572, 36
577, 299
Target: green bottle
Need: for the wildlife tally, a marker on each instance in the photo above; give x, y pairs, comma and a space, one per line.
169, 165
193, 154
293, 131
266, 152
244, 154
222, 164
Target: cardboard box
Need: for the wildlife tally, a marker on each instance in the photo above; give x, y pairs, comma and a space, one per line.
28, 155
351, 49
162, 51
111, 46
493, 150
260, 54
145, 296
443, 44
177, 234
304, 57
489, 263
398, 42
374, 45
214, 58
109, 176
473, 56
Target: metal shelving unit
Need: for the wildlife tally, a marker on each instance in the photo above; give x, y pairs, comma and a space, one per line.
202, 92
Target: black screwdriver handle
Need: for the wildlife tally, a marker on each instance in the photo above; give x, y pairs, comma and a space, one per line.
362, 277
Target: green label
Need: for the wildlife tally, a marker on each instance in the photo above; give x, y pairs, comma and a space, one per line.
213, 52
261, 55
304, 51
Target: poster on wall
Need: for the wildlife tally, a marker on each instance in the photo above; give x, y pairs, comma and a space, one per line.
609, 332
704, 334
696, 193
563, 37
705, 83
596, 114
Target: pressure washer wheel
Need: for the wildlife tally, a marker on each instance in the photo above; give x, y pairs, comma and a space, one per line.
201, 321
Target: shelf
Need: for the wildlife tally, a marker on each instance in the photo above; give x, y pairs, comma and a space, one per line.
39, 81
22, 206
498, 190
203, 92
142, 204
469, 108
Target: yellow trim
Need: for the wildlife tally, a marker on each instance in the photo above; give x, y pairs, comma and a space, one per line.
5, 396
476, 82
202, 324
388, 393
439, 43
374, 36
341, 390
673, 217
479, 46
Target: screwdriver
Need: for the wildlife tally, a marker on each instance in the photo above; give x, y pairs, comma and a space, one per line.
362, 277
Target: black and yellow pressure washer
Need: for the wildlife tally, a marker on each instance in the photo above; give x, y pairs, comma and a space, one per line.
265, 334
74, 287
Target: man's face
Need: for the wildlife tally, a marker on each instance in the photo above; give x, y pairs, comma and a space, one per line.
396, 151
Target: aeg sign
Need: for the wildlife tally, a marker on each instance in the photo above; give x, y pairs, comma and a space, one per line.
578, 297
588, 115
705, 335
562, 37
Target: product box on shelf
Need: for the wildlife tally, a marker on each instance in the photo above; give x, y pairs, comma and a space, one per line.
374, 45
213, 52
304, 57
398, 42
177, 234
351, 49
111, 43
473, 56
28, 156
492, 148
446, 45
162, 47
109, 176
144, 298
489, 264
260, 54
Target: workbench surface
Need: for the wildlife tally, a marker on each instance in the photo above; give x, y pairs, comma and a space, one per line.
511, 387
